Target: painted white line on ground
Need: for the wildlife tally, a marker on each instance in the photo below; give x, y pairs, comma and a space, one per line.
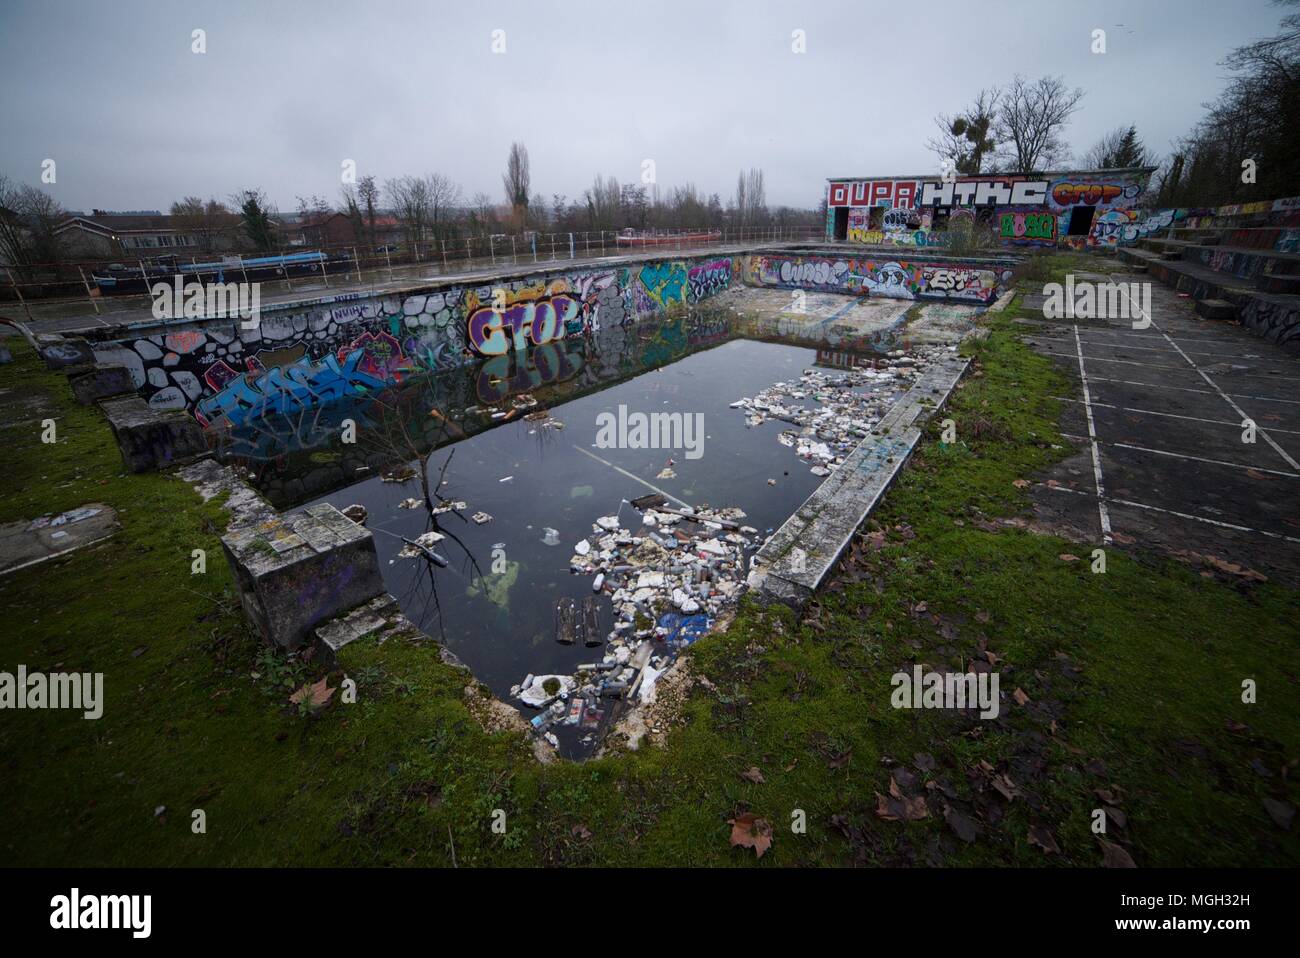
1154, 349
1183, 455
1169, 415
1181, 515
1134, 362
1096, 455
1190, 389
1215, 386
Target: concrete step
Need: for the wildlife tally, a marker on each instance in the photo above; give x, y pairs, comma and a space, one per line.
1216, 309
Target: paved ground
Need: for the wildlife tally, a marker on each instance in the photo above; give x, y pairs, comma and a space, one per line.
1157, 416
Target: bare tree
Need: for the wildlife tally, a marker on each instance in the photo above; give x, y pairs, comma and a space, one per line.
368, 199
967, 138
1031, 119
28, 219
409, 198
203, 220
751, 198
444, 196
604, 203
482, 213
517, 183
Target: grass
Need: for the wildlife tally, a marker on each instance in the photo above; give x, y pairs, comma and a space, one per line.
1143, 706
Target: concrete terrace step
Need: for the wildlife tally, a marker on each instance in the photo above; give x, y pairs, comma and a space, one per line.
1269, 315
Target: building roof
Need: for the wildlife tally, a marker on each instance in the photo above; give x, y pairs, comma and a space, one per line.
1042, 174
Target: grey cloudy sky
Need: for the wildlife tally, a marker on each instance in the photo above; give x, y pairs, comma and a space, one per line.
287, 90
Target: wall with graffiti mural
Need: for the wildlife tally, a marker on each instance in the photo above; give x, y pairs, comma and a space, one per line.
974, 281
1080, 209
305, 356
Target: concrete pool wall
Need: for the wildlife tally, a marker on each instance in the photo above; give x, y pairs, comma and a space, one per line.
316, 352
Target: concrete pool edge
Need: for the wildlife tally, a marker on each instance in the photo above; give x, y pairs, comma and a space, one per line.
793, 564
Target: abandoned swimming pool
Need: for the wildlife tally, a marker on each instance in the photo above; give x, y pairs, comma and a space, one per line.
519, 512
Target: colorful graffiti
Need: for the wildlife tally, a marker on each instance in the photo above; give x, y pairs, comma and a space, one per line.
529, 321
224, 373
664, 283
707, 279
1016, 210
892, 279
286, 389
1028, 226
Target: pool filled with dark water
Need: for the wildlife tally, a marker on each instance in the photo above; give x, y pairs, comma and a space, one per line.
532, 478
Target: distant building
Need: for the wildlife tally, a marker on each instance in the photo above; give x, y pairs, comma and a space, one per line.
145, 234
337, 229
1077, 208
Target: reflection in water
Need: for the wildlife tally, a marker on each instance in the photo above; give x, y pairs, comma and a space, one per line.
298, 456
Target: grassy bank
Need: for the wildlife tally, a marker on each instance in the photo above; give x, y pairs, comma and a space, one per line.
1129, 699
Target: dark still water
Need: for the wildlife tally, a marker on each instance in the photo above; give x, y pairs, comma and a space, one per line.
494, 603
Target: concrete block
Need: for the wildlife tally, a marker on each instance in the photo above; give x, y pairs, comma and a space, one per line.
152, 439
64, 352
298, 571
100, 382
1216, 309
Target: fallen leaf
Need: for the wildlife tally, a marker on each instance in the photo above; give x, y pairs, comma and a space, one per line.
752, 775
1280, 812
1021, 483
1256, 474
1043, 839
1116, 815
316, 695
924, 761
1020, 697
1066, 557
750, 831
1113, 856
1122, 539
1006, 788
840, 760
960, 824
580, 832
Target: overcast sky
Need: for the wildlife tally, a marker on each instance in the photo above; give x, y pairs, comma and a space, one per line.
288, 90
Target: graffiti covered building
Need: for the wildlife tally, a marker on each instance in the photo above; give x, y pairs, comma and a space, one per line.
1079, 208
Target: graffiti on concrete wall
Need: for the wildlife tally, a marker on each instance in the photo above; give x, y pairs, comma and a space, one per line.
1028, 226
895, 279
295, 358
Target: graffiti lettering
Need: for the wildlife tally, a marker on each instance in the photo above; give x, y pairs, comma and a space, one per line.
1068, 194
536, 322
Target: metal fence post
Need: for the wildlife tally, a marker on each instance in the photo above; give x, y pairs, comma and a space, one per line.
84, 282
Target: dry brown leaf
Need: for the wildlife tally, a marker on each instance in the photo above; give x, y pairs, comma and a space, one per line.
1020, 697
1021, 483
752, 775
1067, 557
750, 831
1113, 856
316, 695
1043, 839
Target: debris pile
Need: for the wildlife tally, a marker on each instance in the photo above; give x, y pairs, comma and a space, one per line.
832, 412
669, 572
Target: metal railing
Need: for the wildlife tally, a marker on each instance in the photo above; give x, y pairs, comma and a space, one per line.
68, 289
